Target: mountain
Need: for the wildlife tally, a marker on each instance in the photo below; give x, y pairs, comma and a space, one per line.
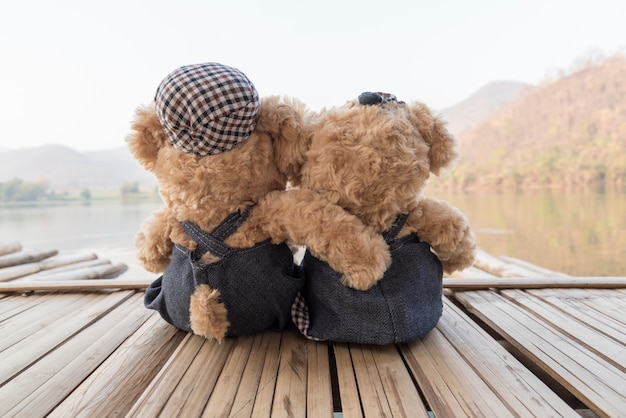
123, 163
482, 105
565, 132
64, 168
571, 130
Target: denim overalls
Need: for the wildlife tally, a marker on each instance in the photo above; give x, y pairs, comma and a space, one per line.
257, 284
404, 305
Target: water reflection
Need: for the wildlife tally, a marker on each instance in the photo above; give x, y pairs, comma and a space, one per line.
579, 232
74, 226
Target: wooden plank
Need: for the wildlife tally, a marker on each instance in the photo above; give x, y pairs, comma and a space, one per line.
10, 247
223, 395
39, 388
77, 285
371, 390
24, 257
579, 370
400, 391
196, 387
51, 263
319, 389
12, 305
588, 314
264, 348
514, 384
610, 350
267, 382
41, 317
616, 296
115, 385
450, 384
424, 368
610, 302
154, 398
601, 282
348, 389
290, 392
19, 356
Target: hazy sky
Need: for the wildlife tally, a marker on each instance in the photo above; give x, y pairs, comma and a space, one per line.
72, 72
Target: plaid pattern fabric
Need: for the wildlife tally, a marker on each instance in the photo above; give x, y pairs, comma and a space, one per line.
300, 316
206, 108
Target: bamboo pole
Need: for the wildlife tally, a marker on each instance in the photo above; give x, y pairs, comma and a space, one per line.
598, 282
457, 284
471, 272
43, 275
10, 247
88, 273
497, 267
15, 272
50, 264
75, 266
76, 285
542, 271
24, 257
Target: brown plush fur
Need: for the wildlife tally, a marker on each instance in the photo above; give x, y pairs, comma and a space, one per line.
208, 316
374, 161
205, 190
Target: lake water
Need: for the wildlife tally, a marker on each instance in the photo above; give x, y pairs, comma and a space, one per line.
579, 232
108, 228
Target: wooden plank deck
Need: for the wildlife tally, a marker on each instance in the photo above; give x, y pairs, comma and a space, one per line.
514, 340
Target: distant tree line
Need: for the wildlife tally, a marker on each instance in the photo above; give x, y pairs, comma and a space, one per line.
18, 190
129, 189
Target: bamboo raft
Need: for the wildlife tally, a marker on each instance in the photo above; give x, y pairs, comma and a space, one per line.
515, 339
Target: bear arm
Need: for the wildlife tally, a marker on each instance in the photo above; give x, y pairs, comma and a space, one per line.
303, 217
153, 243
447, 231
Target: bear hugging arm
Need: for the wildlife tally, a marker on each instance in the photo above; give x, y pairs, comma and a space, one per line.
153, 242
303, 217
447, 231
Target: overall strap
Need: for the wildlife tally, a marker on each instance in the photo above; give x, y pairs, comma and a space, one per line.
395, 228
214, 241
230, 224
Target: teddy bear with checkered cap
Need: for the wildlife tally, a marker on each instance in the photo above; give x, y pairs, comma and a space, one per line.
222, 241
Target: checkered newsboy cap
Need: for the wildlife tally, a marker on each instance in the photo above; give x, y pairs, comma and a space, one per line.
206, 108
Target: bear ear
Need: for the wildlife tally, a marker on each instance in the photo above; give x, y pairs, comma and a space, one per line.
443, 150
147, 137
285, 121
